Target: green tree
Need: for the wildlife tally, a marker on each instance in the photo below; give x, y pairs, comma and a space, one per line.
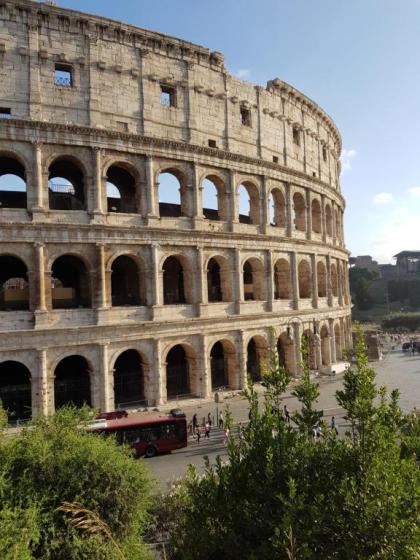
283, 495
54, 461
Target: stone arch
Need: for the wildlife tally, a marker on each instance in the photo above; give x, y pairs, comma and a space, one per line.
66, 184
180, 371
129, 379
122, 186
282, 279
13, 182
177, 278
322, 279
304, 279
72, 382
127, 281
70, 282
338, 342
285, 352
253, 279
257, 356
218, 279
14, 284
172, 192
328, 220
215, 200
316, 216
325, 346
334, 280
15, 390
277, 208
223, 365
248, 203
299, 211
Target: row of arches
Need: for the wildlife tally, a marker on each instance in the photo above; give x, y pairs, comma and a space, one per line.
67, 190
70, 284
74, 374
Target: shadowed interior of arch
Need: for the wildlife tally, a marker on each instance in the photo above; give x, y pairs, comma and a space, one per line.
129, 380
120, 190
69, 283
12, 183
15, 390
66, 185
72, 382
14, 286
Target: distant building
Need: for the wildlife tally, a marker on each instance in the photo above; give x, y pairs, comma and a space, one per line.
407, 262
365, 261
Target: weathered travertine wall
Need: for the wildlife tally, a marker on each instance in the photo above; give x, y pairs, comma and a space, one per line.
109, 116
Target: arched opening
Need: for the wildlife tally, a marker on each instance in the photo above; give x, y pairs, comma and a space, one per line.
222, 365
282, 284
253, 278
214, 284
12, 183
171, 194
248, 204
125, 282
322, 279
128, 379
257, 351
325, 346
316, 216
334, 280
328, 220
304, 280
338, 342
72, 382
14, 285
66, 185
69, 283
285, 352
214, 199
15, 390
173, 281
177, 373
299, 212
277, 209
120, 190
308, 349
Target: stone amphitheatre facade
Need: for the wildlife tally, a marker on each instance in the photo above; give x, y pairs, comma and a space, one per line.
111, 294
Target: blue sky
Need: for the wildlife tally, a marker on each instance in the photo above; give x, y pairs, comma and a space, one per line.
359, 59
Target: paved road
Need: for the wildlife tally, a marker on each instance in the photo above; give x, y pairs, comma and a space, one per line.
396, 370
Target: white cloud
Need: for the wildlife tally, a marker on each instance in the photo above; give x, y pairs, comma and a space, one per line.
346, 159
383, 198
243, 73
414, 191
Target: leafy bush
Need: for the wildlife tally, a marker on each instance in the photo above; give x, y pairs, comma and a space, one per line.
408, 321
54, 461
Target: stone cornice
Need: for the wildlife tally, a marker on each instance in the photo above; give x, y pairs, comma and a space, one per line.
150, 141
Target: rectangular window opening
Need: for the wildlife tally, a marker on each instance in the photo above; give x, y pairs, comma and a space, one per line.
122, 126
296, 136
167, 96
275, 159
212, 144
63, 75
245, 116
324, 153
5, 113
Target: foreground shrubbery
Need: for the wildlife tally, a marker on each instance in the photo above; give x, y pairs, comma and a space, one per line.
53, 462
282, 495
404, 321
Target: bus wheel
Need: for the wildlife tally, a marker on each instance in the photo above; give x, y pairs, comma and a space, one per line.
150, 451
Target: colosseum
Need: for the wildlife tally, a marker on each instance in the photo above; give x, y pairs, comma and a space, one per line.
163, 223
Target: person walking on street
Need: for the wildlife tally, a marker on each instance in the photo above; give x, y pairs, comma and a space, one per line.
221, 420
333, 426
226, 438
240, 432
207, 430
194, 423
198, 434
286, 414
209, 419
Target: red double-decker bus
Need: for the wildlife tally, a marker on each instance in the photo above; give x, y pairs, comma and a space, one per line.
147, 436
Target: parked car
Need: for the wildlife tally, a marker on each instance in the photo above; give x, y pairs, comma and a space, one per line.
113, 415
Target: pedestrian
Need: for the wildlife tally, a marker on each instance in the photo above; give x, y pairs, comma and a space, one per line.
286, 414
209, 419
207, 430
194, 422
198, 434
333, 426
221, 420
240, 432
226, 438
